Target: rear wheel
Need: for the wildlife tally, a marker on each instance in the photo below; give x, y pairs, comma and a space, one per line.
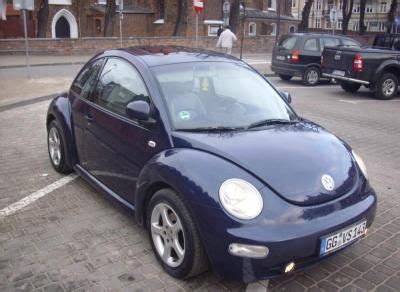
350, 87
285, 77
56, 148
174, 236
311, 76
387, 86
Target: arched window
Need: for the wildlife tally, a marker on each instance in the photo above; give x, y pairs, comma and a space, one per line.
64, 25
270, 5
273, 25
252, 29
292, 29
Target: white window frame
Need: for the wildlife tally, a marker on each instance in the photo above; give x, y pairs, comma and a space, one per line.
318, 23
273, 5
60, 2
339, 24
274, 29
369, 8
254, 32
383, 7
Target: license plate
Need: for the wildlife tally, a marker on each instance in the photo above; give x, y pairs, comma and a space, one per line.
342, 238
280, 58
338, 72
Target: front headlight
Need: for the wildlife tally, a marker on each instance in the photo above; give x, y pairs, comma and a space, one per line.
240, 199
361, 164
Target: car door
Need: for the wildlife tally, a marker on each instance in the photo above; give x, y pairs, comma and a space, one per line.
117, 147
311, 53
79, 94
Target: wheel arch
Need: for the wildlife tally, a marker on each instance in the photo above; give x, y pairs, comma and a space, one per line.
387, 67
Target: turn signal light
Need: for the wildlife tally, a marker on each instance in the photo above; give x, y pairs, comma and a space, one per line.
358, 65
289, 267
295, 56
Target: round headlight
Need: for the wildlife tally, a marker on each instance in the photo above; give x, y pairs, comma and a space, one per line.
240, 199
361, 164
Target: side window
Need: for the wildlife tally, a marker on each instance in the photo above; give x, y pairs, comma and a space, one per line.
84, 83
350, 43
329, 42
311, 45
118, 85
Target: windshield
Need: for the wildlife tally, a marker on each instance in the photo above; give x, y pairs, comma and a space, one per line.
218, 95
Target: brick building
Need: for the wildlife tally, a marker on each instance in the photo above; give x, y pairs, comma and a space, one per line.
148, 18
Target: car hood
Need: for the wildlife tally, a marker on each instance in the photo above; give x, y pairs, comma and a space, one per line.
291, 159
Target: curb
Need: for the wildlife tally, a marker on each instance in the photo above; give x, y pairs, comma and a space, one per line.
43, 65
10, 106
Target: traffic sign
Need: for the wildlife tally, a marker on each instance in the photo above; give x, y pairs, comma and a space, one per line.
332, 15
198, 5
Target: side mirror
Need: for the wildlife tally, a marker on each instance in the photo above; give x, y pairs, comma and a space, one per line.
138, 110
286, 95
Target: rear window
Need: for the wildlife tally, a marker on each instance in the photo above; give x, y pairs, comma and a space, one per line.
288, 43
311, 45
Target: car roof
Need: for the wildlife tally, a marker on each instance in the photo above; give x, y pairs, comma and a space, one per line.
164, 55
314, 34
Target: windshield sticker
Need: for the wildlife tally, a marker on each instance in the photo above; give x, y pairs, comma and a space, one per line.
204, 84
184, 115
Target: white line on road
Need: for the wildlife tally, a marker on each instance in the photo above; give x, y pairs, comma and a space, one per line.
11, 209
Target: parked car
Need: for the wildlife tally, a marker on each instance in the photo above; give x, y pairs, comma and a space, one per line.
299, 54
213, 161
377, 68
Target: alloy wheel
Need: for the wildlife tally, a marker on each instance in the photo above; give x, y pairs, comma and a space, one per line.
312, 77
54, 146
388, 87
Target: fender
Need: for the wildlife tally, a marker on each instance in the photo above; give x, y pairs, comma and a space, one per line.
60, 109
196, 175
386, 65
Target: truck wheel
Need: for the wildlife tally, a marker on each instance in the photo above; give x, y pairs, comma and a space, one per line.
387, 86
285, 77
311, 76
174, 236
350, 87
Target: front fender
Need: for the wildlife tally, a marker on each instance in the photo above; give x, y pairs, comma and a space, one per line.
60, 110
196, 175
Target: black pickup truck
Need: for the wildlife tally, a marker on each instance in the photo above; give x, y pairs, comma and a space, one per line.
377, 68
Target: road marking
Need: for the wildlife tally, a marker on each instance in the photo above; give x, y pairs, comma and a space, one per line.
357, 101
348, 101
258, 62
11, 209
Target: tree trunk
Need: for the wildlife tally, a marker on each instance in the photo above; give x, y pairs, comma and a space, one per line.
109, 20
181, 17
347, 11
43, 16
305, 14
391, 16
234, 16
363, 27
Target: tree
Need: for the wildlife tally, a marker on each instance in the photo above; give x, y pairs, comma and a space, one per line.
109, 21
363, 27
234, 15
391, 16
180, 17
305, 14
347, 11
43, 16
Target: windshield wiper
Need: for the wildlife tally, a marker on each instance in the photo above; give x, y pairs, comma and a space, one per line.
269, 122
212, 129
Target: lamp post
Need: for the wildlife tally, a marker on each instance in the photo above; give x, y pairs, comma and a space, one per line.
244, 29
121, 17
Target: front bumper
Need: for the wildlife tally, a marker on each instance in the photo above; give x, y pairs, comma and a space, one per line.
292, 234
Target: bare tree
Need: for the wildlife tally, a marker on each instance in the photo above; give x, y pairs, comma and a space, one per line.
363, 27
234, 16
347, 11
305, 14
181, 17
43, 17
109, 22
391, 16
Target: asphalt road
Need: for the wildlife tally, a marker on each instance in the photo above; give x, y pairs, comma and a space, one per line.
72, 238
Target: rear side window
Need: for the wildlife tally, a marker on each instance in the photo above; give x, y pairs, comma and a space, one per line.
288, 43
350, 43
119, 84
328, 42
85, 82
311, 45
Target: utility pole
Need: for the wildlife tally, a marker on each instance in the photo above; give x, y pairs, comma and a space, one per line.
278, 27
121, 17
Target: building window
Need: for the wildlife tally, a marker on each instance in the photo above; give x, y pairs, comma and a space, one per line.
162, 8
97, 24
381, 26
318, 23
341, 4
273, 26
60, 2
339, 24
292, 29
252, 29
213, 30
328, 24
319, 5
271, 4
368, 8
383, 7
355, 25
356, 8
294, 3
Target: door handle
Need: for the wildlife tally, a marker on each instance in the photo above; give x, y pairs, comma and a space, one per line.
89, 118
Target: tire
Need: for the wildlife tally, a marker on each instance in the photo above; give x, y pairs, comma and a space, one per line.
285, 77
350, 87
56, 148
180, 228
311, 76
387, 86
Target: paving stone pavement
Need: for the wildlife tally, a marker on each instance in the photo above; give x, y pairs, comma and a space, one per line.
74, 239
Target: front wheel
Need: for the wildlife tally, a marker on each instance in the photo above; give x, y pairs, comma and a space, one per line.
174, 236
311, 76
56, 148
387, 86
350, 87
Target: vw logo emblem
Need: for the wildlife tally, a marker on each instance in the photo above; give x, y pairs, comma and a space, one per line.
328, 182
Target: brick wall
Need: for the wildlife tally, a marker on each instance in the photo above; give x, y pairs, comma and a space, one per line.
92, 45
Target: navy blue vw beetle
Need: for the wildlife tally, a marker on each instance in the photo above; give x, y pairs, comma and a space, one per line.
213, 161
